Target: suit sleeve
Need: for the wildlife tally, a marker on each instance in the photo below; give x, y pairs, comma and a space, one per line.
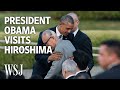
41, 57
87, 47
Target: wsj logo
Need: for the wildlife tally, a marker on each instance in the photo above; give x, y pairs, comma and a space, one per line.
13, 69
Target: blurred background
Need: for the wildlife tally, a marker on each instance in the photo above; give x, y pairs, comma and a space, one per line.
98, 25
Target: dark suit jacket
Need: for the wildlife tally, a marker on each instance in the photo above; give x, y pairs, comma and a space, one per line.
113, 73
82, 42
85, 75
72, 77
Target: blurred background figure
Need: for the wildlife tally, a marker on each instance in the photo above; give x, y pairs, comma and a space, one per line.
109, 60
69, 69
82, 60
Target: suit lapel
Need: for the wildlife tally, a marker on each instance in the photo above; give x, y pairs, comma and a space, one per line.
77, 36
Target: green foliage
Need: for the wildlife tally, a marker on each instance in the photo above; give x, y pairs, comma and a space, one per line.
90, 15
26, 60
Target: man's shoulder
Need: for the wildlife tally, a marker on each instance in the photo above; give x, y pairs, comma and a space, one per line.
53, 28
102, 75
82, 73
109, 74
65, 44
72, 77
81, 37
82, 34
65, 41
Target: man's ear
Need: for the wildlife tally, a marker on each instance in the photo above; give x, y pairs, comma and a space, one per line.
78, 22
114, 56
65, 72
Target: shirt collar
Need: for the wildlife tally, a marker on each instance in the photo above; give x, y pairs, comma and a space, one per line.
70, 76
80, 71
112, 65
57, 32
75, 32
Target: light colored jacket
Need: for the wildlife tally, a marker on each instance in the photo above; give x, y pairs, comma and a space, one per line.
67, 49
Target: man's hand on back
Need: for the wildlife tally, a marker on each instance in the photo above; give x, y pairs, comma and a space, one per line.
55, 56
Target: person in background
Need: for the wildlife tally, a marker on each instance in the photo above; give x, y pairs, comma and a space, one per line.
81, 41
69, 69
109, 60
82, 60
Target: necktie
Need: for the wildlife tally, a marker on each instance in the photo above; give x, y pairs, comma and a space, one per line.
60, 37
71, 37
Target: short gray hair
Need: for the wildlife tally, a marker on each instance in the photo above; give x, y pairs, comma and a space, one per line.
50, 33
67, 19
73, 15
69, 65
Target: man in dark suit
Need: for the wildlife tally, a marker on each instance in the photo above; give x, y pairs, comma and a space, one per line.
109, 60
44, 61
69, 69
81, 41
82, 60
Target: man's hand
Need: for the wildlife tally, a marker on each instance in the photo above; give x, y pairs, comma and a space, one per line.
55, 56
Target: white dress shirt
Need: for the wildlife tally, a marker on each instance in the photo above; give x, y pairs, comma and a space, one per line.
58, 33
75, 32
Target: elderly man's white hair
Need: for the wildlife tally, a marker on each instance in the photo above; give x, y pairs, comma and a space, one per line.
49, 33
73, 15
69, 65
